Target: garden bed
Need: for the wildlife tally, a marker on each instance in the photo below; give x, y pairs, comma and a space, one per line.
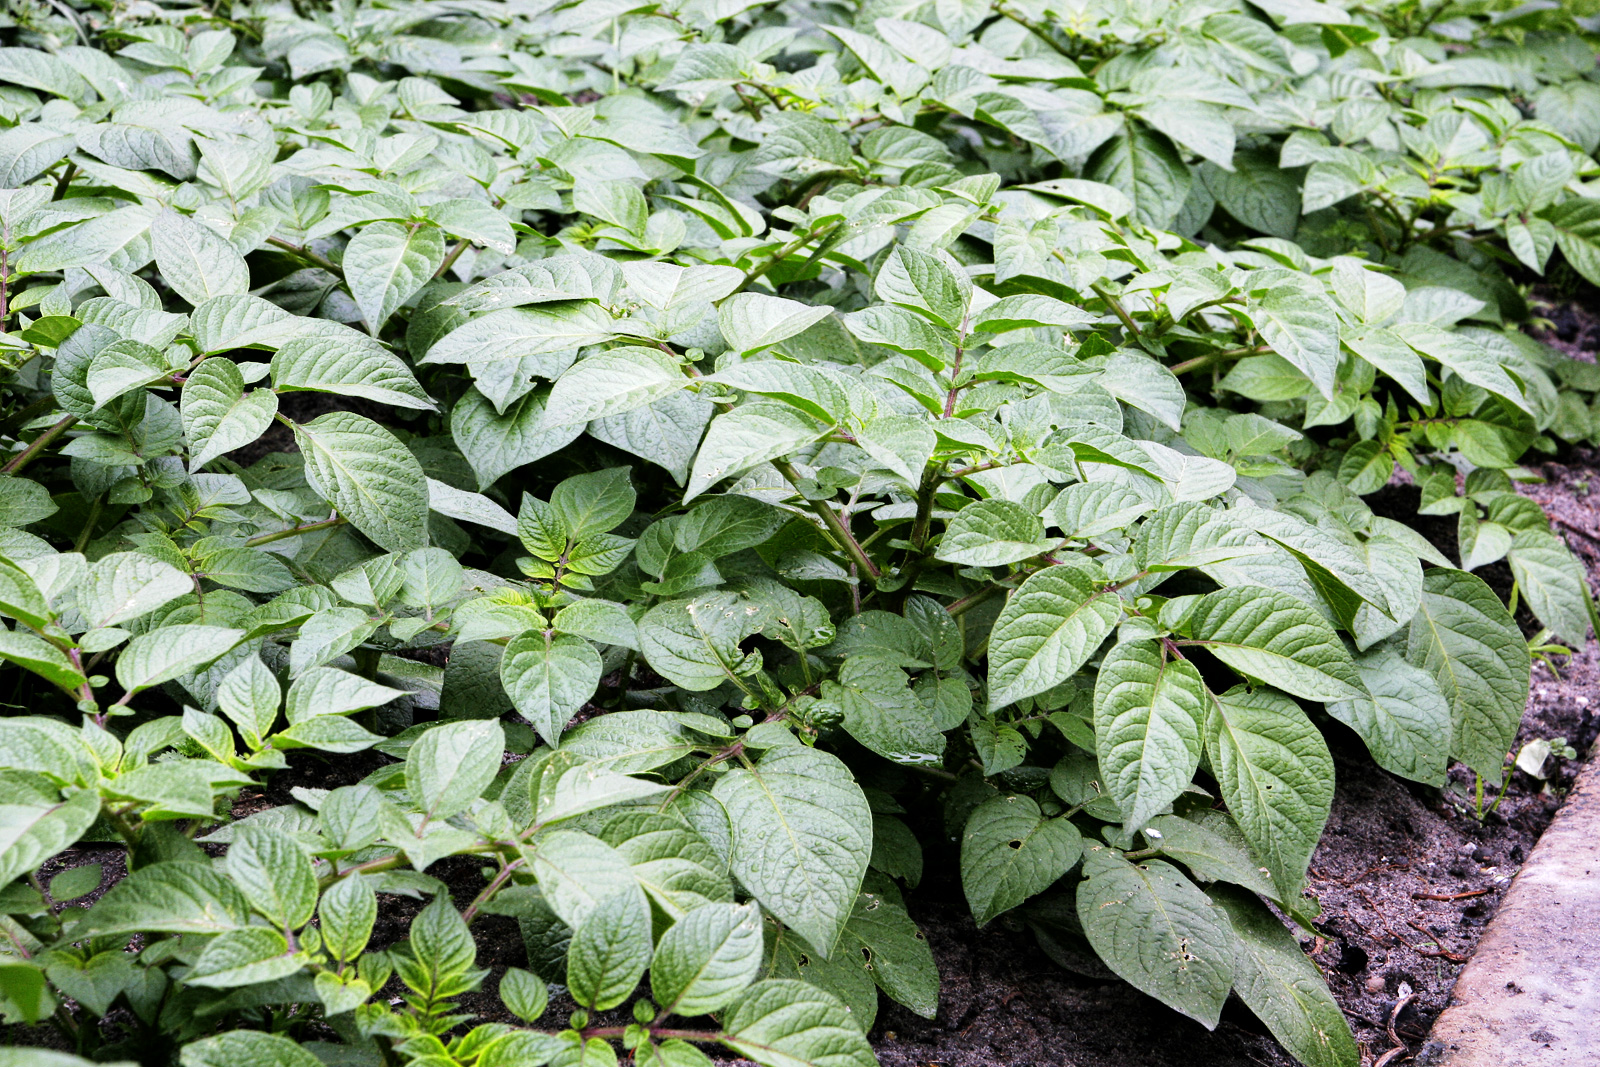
1391, 848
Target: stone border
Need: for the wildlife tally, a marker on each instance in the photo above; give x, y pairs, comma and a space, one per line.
1530, 994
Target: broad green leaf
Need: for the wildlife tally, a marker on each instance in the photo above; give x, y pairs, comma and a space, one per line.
1010, 852
1048, 629
368, 476
246, 1048
1284, 988
346, 363
1271, 635
1302, 329
991, 533
1148, 711
1553, 583
1404, 718
195, 260
1276, 777
612, 383
219, 415
751, 321
126, 585
926, 284
274, 874
1158, 932
549, 677
802, 836
244, 957
1147, 169
1465, 638
695, 643
449, 766
170, 651
1577, 224
386, 263
577, 871
176, 898
536, 337
881, 938
707, 959
1209, 855
31, 833
610, 951
751, 434
781, 1022
495, 444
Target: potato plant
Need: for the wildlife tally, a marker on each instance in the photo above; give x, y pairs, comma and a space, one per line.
726, 456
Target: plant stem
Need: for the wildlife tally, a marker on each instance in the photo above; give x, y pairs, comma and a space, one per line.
295, 531
306, 254
841, 533
450, 260
1117, 309
40, 443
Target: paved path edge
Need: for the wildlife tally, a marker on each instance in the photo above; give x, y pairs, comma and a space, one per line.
1530, 994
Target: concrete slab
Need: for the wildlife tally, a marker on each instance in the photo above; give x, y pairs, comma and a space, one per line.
1530, 995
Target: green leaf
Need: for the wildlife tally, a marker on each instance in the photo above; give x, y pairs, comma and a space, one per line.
802, 836
218, 415
449, 766
368, 476
1553, 584
549, 677
1284, 988
126, 585
1404, 718
610, 951
1302, 329
577, 871
1010, 852
991, 533
1276, 777
782, 1022
1257, 192
195, 260
881, 938
695, 643
1465, 638
32, 833
1271, 635
751, 434
1147, 169
707, 959
1048, 629
751, 322
343, 361
244, 957
1148, 712
171, 898
926, 284
170, 651
1209, 855
348, 911
612, 383
1577, 224
275, 875
589, 504
246, 1048
538, 338
1158, 932
386, 263
496, 444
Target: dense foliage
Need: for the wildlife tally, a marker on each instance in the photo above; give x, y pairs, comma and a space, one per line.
809, 437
